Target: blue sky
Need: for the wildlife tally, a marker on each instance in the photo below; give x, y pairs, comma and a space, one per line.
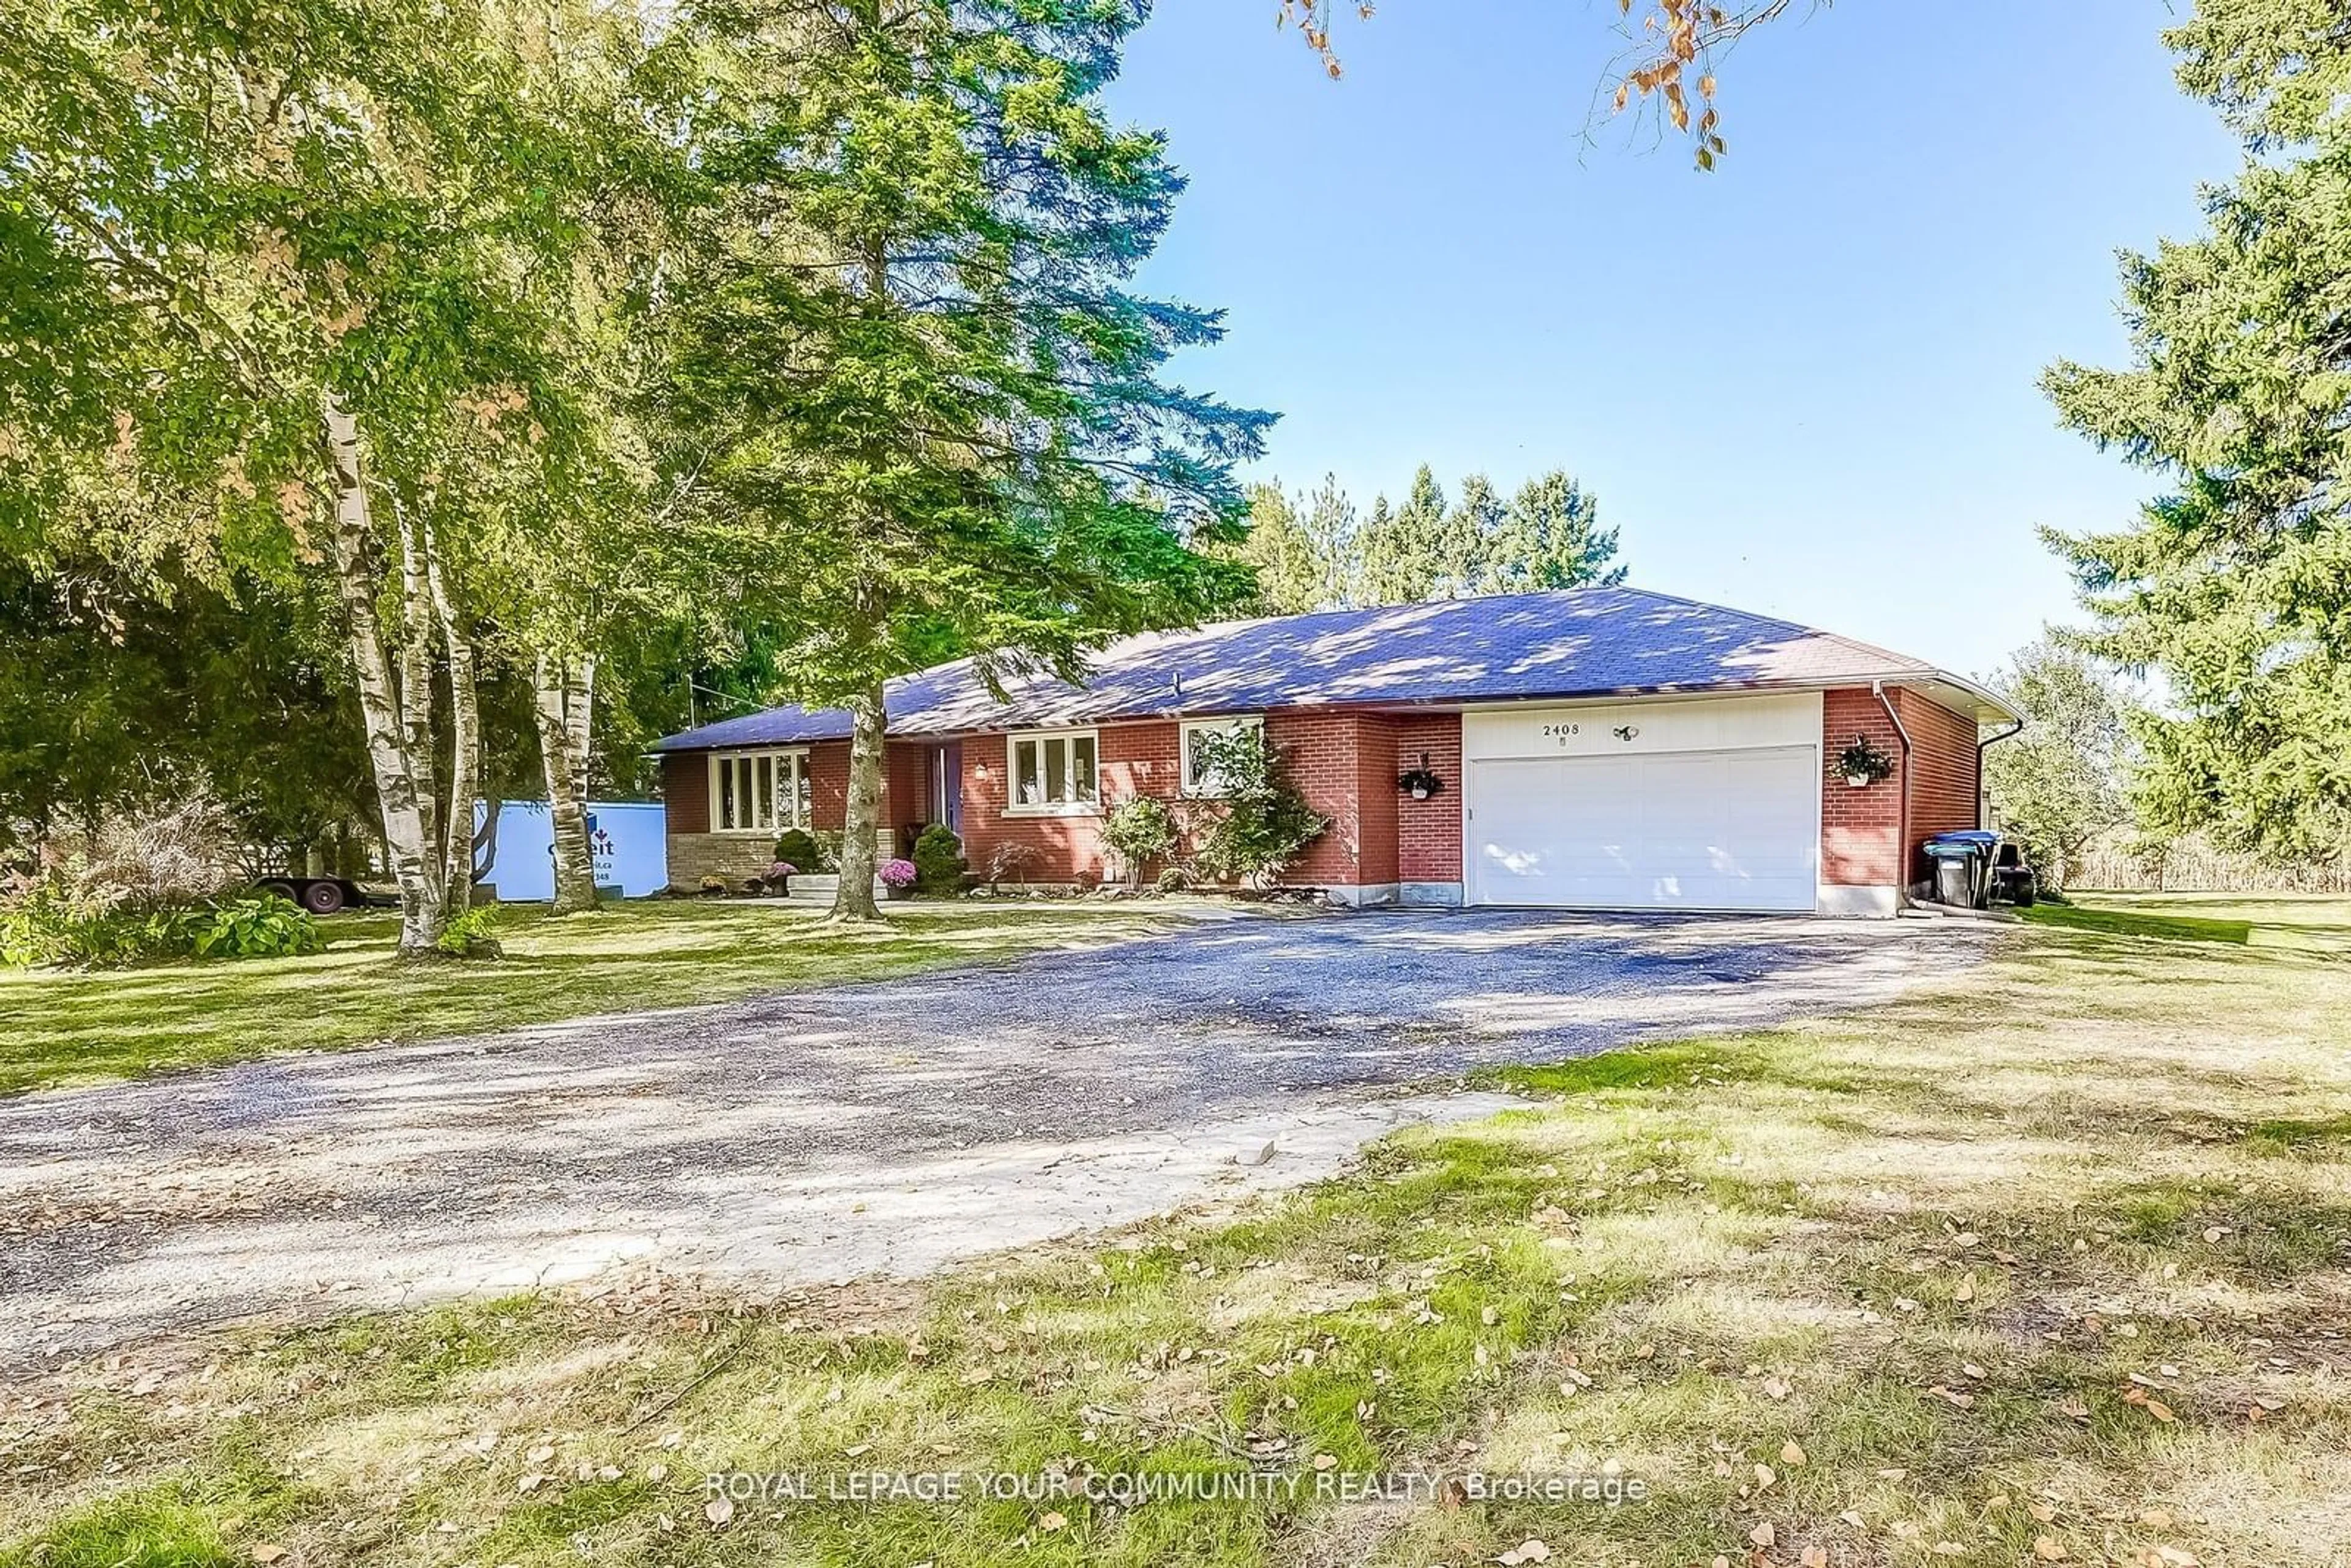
1801, 385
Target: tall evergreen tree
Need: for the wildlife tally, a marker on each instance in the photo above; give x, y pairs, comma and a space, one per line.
1551, 538
1331, 530
927, 409
2236, 584
1291, 574
1465, 545
1401, 550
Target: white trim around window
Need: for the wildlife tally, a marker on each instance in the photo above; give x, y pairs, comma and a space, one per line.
1194, 781
763, 791
1052, 773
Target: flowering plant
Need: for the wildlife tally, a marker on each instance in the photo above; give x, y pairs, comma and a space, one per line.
1864, 764
897, 873
779, 870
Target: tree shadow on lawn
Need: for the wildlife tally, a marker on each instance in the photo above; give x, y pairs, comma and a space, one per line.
1724, 1287
74, 1027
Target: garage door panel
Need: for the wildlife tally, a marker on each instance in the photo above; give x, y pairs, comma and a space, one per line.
1727, 829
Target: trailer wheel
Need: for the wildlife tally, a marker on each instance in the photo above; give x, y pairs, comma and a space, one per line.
280, 888
322, 897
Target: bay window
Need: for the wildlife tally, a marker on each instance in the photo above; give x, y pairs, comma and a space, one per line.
758, 791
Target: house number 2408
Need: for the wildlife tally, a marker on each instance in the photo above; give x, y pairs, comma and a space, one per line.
1561, 731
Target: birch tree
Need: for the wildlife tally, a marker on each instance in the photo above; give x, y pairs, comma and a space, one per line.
288, 244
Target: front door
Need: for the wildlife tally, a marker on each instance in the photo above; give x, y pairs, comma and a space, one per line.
947, 785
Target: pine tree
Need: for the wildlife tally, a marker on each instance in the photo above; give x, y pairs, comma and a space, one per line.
1401, 550
1331, 532
1465, 545
929, 408
1291, 572
2237, 584
1551, 538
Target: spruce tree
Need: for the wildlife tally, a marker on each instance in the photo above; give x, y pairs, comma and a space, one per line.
1291, 573
1401, 550
1551, 538
1465, 544
919, 403
2236, 583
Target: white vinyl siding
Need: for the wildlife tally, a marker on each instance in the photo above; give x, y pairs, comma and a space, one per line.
1054, 773
1196, 780
758, 791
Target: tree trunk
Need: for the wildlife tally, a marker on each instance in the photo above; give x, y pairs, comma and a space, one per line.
853, 899
408, 847
416, 639
464, 731
557, 684
486, 840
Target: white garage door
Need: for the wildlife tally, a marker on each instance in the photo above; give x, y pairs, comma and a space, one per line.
1669, 829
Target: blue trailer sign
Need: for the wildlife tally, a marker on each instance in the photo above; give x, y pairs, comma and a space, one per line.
630, 839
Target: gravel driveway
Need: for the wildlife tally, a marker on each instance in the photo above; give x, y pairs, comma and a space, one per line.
877, 1128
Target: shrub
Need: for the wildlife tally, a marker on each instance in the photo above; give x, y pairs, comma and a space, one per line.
1264, 822
471, 934
46, 920
1011, 860
938, 860
147, 858
265, 926
1139, 830
896, 873
140, 884
828, 850
1174, 879
798, 847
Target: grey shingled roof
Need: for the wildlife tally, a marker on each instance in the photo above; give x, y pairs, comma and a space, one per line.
1576, 642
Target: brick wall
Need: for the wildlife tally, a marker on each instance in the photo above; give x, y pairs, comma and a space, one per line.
1943, 783
695, 852
685, 792
1859, 827
1376, 800
1428, 832
1323, 749
1136, 759
905, 792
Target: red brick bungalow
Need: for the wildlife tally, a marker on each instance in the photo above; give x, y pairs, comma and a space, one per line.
1603, 749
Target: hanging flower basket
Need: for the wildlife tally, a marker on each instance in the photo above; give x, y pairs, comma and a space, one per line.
1862, 764
1419, 782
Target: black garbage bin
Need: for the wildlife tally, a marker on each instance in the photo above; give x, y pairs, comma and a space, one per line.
1963, 863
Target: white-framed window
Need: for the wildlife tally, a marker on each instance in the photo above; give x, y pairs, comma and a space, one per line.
758, 791
1198, 777
1053, 772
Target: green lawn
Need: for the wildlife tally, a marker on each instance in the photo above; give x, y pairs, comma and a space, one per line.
2313, 923
2050, 1264
63, 1029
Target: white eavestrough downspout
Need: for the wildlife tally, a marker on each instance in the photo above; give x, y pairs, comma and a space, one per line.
1902, 822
